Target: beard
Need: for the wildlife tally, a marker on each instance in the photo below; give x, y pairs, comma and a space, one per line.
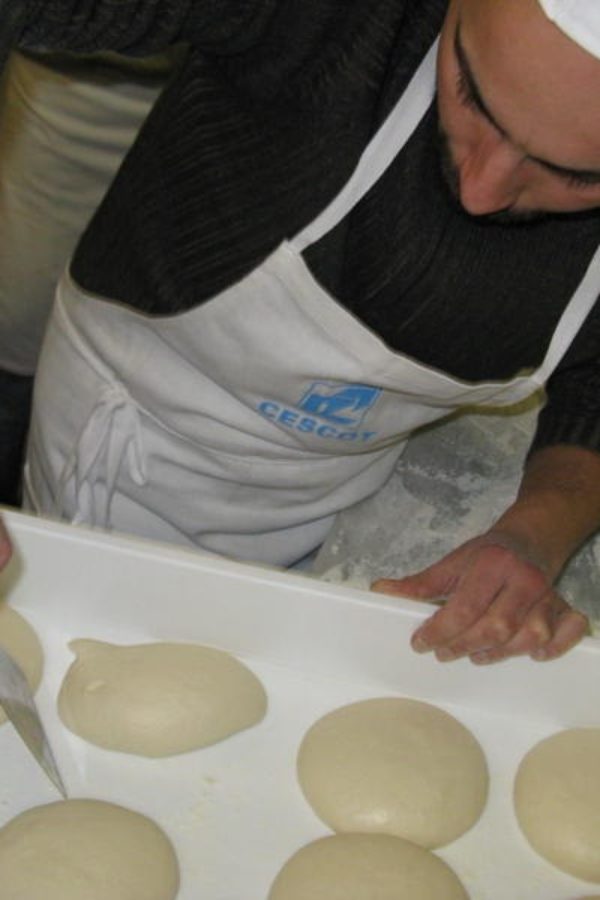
451, 179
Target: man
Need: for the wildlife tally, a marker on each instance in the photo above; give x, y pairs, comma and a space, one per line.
306, 256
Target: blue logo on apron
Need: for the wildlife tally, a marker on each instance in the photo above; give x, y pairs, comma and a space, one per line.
327, 410
346, 405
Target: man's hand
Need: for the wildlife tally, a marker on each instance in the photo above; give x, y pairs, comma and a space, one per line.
497, 604
5, 546
497, 589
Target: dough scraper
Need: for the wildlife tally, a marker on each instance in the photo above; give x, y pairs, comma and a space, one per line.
16, 699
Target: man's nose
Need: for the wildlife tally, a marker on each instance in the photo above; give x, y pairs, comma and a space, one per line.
489, 178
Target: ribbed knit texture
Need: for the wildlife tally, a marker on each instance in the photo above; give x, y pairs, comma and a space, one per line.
261, 126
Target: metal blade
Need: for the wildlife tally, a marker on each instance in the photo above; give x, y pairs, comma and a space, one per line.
17, 702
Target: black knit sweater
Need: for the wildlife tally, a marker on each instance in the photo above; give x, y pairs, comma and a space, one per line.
261, 126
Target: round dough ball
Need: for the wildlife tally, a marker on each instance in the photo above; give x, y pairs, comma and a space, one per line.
76, 849
157, 699
19, 639
365, 867
557, 801
394, 766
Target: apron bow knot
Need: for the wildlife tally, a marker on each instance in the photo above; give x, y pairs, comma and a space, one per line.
110, 437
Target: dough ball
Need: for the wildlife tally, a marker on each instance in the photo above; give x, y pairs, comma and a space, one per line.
557, 801
19, 639
365, 867
157, 699
86, 850
394, 766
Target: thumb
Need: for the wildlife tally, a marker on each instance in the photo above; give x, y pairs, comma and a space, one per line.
430, 584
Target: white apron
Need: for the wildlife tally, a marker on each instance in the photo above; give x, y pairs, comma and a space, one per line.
244, 425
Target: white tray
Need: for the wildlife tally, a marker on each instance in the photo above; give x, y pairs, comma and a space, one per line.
234, 811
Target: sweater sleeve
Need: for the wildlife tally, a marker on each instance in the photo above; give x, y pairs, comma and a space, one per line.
131, 27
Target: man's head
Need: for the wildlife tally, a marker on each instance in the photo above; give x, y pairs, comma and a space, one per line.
519, 105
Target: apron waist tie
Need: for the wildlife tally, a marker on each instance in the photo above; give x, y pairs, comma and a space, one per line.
110, 438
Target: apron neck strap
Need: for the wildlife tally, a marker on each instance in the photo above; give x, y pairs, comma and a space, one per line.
573, 317
379, 153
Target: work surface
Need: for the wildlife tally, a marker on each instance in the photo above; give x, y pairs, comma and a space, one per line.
450, 484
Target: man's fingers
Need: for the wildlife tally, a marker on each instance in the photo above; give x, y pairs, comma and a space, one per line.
535, 631
570, 627
496, 604
500, 622
442, 630
492, 603
465, 624
551, 629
